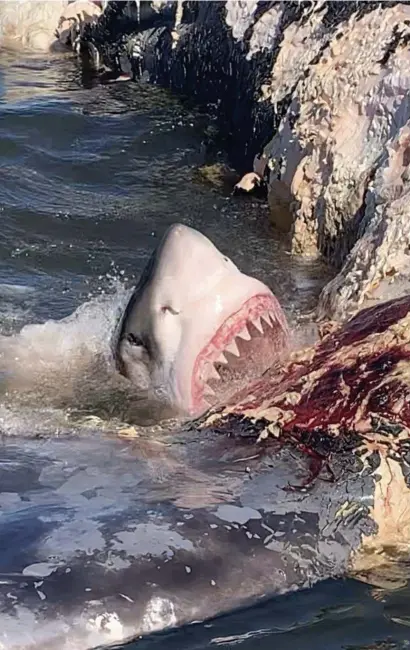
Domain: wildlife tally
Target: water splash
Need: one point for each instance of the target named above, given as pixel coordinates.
(54, 373)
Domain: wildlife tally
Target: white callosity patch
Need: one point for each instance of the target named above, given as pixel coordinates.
(346, 121)
(239, 16)
(159, 614)
(28, 629)
(106, 625)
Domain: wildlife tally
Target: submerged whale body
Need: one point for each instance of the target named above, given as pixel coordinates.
(103, 539)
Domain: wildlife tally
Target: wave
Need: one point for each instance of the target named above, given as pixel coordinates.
(61, 373)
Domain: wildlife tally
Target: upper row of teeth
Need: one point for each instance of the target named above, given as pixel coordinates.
(244, 334)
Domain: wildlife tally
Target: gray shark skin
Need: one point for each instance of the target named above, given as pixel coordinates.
(103, 539)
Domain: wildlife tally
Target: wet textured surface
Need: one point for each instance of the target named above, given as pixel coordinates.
(273, 74)
(354, 377)
(90, 180)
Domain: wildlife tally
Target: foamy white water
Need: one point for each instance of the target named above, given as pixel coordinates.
(50, 369)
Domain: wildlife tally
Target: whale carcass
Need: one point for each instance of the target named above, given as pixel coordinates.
(301, 476)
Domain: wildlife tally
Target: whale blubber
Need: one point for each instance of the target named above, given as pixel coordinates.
(349, 393)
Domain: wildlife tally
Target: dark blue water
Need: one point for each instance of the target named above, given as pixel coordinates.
(90, 179)
(335, 615)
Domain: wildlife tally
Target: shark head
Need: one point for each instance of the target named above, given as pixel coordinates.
(196, 329)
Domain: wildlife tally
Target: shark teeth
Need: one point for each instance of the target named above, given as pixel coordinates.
(263, 323)
(244, 334)
(233, 348)
(221, 359)
(258, 324)
(209, 391)
(212, 372)
(267, 319)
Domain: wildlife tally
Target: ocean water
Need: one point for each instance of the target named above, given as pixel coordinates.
(91, 177)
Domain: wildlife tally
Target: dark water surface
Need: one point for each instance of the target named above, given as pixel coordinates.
(89, 180)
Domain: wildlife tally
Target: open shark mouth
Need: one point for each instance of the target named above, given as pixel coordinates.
(249, 342)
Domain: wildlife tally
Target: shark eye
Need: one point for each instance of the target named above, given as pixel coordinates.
(171, 310)
(133, 339)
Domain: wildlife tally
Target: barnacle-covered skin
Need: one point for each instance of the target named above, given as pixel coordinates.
(349, 394)
(311, 97)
